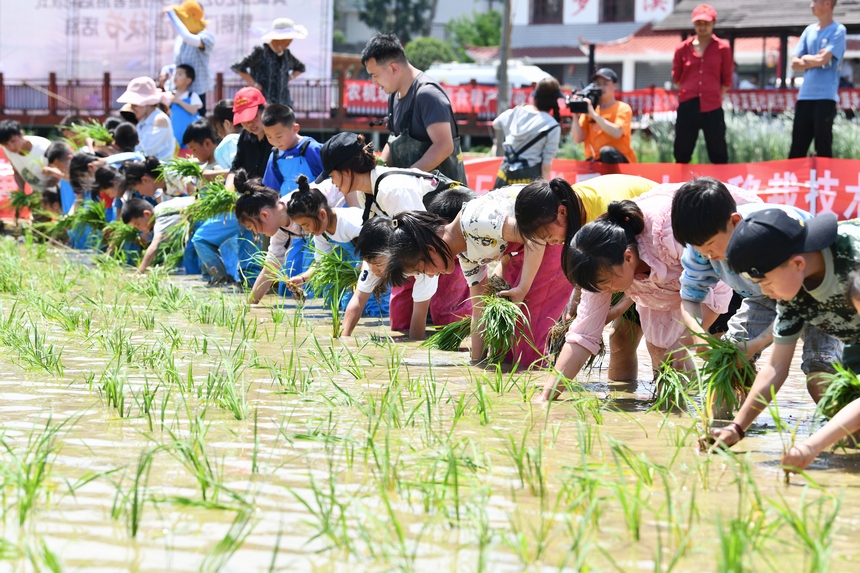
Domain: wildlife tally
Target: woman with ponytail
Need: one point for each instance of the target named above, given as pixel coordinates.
(264, 212)
(629, 249)
(485, 231)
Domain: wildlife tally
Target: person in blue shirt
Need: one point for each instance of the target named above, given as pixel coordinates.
(185, 106)
(292, 155)
(819, 55)
(705, 213)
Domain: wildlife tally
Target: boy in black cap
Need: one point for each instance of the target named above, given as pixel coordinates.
(805, 266)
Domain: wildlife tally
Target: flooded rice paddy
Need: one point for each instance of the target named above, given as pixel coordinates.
(149, 424)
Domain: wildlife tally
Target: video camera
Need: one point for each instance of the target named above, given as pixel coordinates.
(576, 101)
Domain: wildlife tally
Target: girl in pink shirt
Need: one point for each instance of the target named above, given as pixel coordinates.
(629, 249)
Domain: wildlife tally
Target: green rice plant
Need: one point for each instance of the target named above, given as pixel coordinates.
(31, 348)
(92, 129)
(632, 503)
(842, 388)
(40, 555)
(180, 167)
(814, 525)
(28, 469)
(213, 200)
(334, 274)
(727, 374)
(499, 323)
(118, 236)
(171, 250)
(239, 531)
(672, 389)
(528, 461)
(450, 336)
(739, 540)
(191, 452)
(132, 502)
(327, 509)
(19, 200)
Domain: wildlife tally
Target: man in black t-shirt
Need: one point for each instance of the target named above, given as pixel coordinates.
(418, 109)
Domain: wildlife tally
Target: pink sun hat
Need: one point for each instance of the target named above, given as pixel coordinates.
(141, 91)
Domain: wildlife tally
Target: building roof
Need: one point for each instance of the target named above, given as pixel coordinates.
(648, 41)
(757, 18)
(490, 53)
(548, 35)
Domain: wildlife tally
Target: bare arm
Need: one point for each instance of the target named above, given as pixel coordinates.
(767, 382)
(418, 324)
(612, 130)
(546, 170)
(570, 361)
(213, 174)
(261, 286)
(149, 256)
(477, 310)
(531, 263)
(353, 311)
(442, 147)
(192, 109)
(844, 423)
(576, 132)
(248, 79)
(385, 156)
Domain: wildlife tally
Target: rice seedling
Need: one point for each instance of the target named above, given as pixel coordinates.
(28, 469)
(180, 167)
(671, 389)
(334, 274)
(214, 200)
(132, 502)
(20, 200)
(814, 524)
(119, 236)
(235, 537)
(327, 508)
(727, 374)
(31, 348)
(499, 325)
(92, 129)
(842, 388)
(40, 555)
(450, 336)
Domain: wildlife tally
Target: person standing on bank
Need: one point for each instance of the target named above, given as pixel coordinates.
(605, 134)
(194, 46)
(270, 67)
(703, 70)
(420, 116)
(532, 134)
(819, 55)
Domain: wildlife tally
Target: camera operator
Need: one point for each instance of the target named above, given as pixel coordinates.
(605, 132)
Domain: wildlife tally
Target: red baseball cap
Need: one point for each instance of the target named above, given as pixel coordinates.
(704, 12)
(245, 104)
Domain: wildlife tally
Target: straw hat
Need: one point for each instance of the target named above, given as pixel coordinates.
(141, 91)
(191, 14)
(285, 29)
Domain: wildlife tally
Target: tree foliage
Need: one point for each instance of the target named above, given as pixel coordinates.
(402, 17)
(422, 52)
(479, 29)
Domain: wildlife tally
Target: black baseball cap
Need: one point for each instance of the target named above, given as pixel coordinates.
(607, 73)
(337, 151)
(766, 239)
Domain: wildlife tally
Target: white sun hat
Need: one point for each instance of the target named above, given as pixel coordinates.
(141, 91)
(285, 29)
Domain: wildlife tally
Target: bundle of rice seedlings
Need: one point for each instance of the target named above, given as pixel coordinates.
(499, 324)
(334, 274)
(117, 235)
(450, 336)
(212, 201)
(843, 387)
(171, 251)
(92, 129)
(555, 338)
(180, 167)
(496, 284)
(727, 373)
(90, 214)
(19, 201)
(671, 389)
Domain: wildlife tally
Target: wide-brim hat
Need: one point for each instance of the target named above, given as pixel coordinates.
(285, 29)
(141, 91)
(191, 14)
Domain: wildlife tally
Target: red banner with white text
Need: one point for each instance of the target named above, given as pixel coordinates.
(361, 97)
(817, 185)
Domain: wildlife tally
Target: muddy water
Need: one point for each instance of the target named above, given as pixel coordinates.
(411, 454)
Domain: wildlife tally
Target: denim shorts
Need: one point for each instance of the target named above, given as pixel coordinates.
(756, 314)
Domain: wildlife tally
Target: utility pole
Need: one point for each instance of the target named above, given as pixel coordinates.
(502, 73)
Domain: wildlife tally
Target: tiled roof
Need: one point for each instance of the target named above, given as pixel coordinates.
(752, 17)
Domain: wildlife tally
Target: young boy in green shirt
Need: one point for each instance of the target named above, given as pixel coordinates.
(805, 267)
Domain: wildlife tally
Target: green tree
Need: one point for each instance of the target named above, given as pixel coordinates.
(402, 17)
(422, 52)
(479, 29)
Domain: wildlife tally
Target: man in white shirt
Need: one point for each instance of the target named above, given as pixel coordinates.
(26, 153)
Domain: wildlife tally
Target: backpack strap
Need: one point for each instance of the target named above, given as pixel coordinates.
(408, 117)
(516, 154)
(371, 200)
(279, 177)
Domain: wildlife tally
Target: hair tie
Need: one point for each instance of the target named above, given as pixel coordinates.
(394, 223)
(247, 192)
